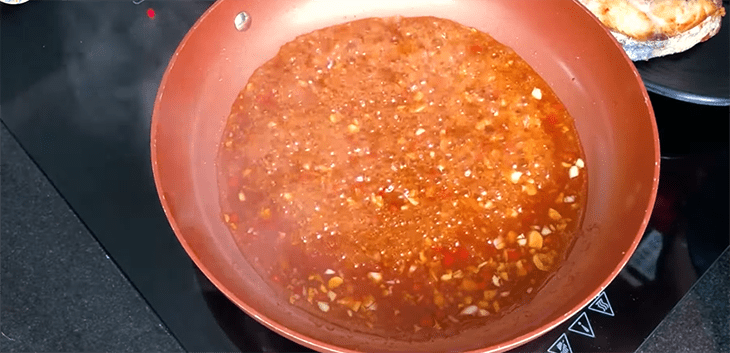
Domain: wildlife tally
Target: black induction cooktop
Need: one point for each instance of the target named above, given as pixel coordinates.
(79, 99)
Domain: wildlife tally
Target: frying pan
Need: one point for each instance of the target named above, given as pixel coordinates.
(561, 40)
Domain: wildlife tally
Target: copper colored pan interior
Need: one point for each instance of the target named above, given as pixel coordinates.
(561, 40)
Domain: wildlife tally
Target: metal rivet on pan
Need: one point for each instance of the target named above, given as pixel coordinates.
(242, 21)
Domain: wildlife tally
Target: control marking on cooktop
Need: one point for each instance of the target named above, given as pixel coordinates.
(601, 305)
(561, 345)
(582, 326)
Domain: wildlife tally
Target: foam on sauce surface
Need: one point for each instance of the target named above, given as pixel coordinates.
(401, 175)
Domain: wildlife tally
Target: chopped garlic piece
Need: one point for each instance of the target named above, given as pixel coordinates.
(323, 306)
(495, 280)
(573, 172)
(375, 276)
(534, 240)
(334, 282)
(554, 215)
(515, 177)
(536, 93)
(469, 310)
(499, 243)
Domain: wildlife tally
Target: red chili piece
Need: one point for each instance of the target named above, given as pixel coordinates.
(462, 253)
(551, 119)
(513, 255)
(448, 259)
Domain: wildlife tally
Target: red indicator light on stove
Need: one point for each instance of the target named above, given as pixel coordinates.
(150, 13)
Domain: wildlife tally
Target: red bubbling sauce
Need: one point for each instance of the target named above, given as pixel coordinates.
(403, 175)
